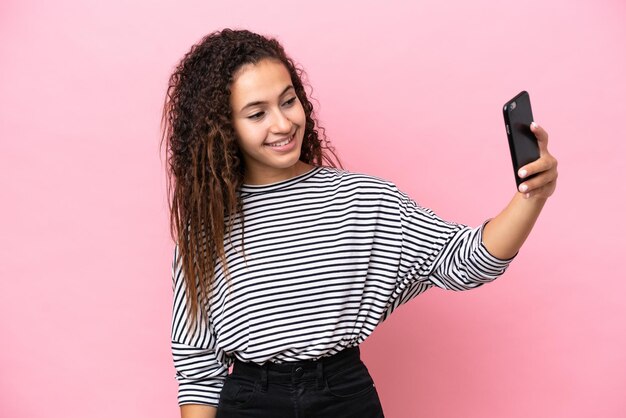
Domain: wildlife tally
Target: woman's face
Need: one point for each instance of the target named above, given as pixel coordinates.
(269, 122)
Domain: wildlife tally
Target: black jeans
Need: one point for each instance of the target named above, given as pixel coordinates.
(333, 387)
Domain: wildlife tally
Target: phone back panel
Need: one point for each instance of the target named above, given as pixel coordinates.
(522, 142)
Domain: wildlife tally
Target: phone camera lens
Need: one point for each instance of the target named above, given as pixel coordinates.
(513, 106)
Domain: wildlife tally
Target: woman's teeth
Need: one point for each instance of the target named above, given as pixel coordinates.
(281, 143)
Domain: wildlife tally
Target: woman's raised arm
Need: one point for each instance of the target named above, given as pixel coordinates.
(504, 235)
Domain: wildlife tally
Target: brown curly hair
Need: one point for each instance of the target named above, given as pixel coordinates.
(204, 164)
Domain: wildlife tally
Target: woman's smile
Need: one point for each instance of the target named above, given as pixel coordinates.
(282, 144)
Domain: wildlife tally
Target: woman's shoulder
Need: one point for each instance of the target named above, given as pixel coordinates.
(339, 176)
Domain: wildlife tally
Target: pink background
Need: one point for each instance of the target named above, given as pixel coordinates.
(409, 91)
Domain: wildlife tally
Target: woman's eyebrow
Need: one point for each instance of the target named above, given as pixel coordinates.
(258, 102)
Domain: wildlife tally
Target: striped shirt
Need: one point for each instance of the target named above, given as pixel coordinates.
(329, 255)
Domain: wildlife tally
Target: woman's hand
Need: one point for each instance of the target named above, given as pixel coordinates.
(544, 183)
(504, 235)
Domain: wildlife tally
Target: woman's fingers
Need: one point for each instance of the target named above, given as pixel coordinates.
(544, 191)
(544, 169)
(545, 163)
(542, 137)
(538, 181)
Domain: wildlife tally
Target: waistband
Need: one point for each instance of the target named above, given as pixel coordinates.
(291, 371)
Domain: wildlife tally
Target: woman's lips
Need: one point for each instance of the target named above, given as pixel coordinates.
(283, 145)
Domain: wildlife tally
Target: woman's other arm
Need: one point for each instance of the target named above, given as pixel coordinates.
(504, 235)
(197, 411)
(200, 371)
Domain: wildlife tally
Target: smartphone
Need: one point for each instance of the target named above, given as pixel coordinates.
(522, 142)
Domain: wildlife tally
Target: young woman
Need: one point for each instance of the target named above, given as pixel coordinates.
(284, 264)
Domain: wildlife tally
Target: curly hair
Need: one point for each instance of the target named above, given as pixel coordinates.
(205, 167)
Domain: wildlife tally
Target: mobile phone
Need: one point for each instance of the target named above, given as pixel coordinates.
(522, 141)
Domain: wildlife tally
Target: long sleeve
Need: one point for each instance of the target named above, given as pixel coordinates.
(444, 254)
(466, 263)
(436, 252)
(201, 366)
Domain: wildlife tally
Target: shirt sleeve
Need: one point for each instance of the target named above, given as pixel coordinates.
(200, 365)
(444, 254)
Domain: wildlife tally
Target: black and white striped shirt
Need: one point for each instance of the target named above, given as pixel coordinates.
(328, 256)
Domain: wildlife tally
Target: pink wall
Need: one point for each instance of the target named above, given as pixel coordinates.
(410, 91)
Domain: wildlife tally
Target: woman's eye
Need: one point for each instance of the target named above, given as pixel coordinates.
(256, 116)
(290, 101)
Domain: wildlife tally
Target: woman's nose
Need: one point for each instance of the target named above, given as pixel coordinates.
(281, 123)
